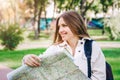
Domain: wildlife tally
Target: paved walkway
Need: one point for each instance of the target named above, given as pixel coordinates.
(47, 43)
(109, 44)
(4, 70)
(29, 45)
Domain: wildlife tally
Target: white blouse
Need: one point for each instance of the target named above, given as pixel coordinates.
(79, 59)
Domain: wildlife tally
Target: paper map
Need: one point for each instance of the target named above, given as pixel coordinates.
(55, 67)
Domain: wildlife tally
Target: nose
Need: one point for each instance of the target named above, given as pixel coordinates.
(61, 29)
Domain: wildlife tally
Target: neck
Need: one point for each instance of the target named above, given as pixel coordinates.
(73, 43)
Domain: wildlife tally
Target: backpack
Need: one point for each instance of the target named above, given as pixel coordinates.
(88, 51)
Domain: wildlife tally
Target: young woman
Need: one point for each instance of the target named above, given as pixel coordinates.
(71, 34)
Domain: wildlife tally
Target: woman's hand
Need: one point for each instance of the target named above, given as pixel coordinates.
(31, 60)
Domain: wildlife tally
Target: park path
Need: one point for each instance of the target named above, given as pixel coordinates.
(47, 43)
(4, 70)
(28, 45)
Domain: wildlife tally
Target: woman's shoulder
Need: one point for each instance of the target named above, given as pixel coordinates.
(55, 47)
(96, 49)
(51, 50)
(95, 45)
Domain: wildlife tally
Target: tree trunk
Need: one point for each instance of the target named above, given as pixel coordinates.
(54, 9)
(39, 17)
(34, 20)
(46, 20)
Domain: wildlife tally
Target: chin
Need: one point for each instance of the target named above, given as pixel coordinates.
(64, 39)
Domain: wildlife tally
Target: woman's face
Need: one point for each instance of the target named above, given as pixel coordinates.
(64, 30)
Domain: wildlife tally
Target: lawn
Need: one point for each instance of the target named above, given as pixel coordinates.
(13, 58)
(113, 57)
(95, 32)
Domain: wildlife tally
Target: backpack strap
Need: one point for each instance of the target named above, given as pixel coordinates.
(88, 53)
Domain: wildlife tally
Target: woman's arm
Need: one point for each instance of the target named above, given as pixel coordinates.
(33, 60)
(52, 50)
(98, 63)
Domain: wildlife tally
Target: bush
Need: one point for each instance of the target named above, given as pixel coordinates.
(112, 26)
(10, 35)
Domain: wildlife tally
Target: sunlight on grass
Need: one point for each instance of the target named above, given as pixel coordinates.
(113, 58)
(95, 32)
(13, 58)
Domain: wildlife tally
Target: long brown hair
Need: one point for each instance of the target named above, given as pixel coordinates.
(76, 24)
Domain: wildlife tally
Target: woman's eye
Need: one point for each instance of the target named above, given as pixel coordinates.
(64, 25)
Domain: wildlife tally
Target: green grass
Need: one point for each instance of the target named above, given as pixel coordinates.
(95, 32)
(113, 57)
(98, 33)
(13, 58)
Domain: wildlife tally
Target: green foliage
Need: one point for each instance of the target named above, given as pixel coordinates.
(10, 35)
(112, 26)
(106, 4)
(108, 29)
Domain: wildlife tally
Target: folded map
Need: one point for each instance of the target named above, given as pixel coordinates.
(55, 67)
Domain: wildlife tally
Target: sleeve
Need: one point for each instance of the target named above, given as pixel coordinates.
(54, 49)
(98, 63)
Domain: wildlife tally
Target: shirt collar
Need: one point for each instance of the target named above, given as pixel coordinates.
(86, 38)
(81, 41)
(63, 44)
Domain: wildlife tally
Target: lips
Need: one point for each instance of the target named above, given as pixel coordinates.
(63, 34)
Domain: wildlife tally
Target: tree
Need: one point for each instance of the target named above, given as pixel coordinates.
(38, 6)
(85, 5)
(106, 4)
(10, 35)
(112, 26)
(65, 5)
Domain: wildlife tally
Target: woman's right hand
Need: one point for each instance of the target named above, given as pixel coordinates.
(31, 60)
